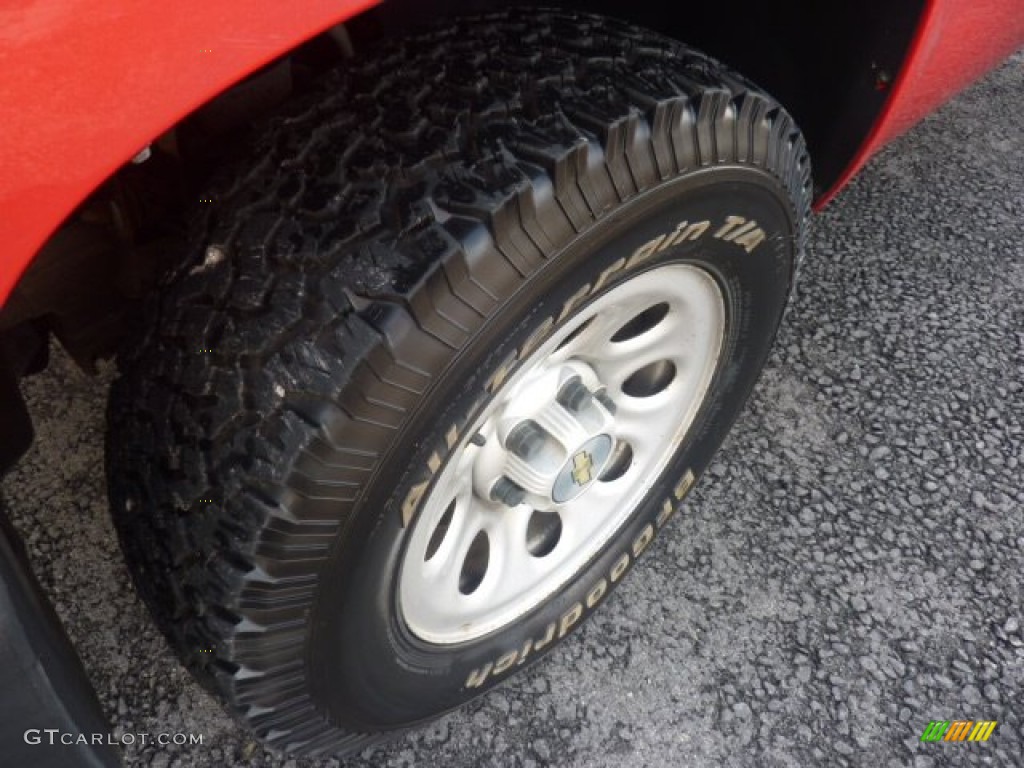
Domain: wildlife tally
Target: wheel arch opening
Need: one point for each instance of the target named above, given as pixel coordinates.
(830, 64)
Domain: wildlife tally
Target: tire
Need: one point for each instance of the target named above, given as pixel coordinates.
(397, 256)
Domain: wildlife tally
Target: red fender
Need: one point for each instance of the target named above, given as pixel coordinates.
(86, 84)
(956, 42)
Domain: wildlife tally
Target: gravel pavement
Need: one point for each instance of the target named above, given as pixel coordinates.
(848, 570)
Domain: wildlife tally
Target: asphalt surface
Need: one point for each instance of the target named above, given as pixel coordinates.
(850, 568)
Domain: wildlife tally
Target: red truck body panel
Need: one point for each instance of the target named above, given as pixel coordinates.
(956, 42)
(85, 85)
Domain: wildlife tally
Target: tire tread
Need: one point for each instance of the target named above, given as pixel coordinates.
(376, 225)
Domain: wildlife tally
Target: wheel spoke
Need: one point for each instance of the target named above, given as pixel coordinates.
(614, 361)
(599, 328)
(638, 424)
(512, 561)
(444, 567)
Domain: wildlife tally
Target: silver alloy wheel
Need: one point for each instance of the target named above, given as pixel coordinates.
(562, 455)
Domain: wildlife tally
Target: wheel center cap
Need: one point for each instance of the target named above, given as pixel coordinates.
(584, 466)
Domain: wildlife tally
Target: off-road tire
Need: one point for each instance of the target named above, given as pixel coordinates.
(353, 284)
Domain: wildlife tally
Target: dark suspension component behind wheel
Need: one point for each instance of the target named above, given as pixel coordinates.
(449, 350)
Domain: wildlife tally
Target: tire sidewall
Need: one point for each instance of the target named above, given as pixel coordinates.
(367, 669)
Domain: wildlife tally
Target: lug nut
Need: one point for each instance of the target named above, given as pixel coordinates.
(525, 439)
(573, 395)
(504, 491)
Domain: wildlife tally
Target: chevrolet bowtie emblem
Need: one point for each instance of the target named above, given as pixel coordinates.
(582, 464)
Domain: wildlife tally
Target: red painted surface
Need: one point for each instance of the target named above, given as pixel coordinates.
(86, 84)
(957, 41)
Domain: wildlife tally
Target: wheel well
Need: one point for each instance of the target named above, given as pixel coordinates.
(829, 64)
